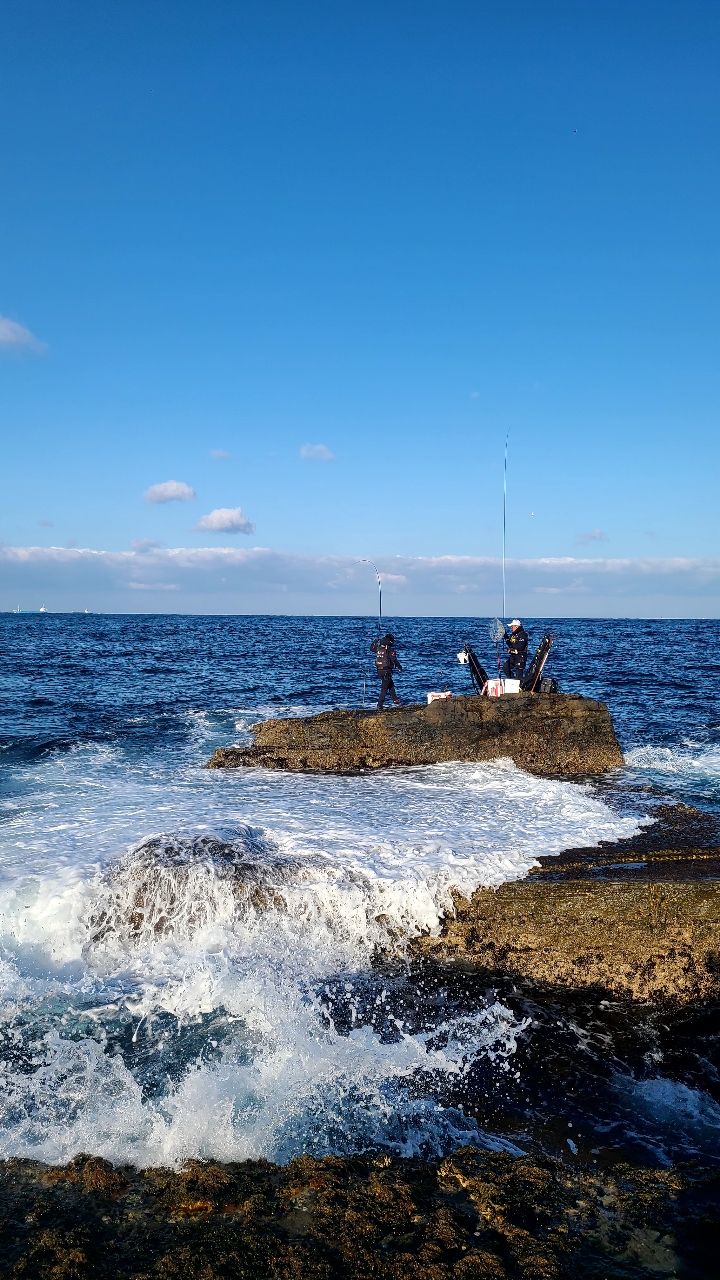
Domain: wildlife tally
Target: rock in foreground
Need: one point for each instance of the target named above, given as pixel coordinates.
(542, 733)
(472, 1216)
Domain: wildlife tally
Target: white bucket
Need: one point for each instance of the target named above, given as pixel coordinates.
(436, 697)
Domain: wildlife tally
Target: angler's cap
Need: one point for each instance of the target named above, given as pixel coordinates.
(390, 638)
(516, 622)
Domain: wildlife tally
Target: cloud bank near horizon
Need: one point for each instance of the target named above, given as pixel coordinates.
(152, 579)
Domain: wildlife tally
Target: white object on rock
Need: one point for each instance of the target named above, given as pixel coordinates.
(511, 686)
(435, 697)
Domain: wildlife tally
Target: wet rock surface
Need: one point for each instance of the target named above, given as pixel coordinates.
(638, 918)
(546, 734)
(681, 843)
(471, 1216)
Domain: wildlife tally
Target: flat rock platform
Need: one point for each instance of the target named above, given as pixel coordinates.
(637, 918)
(543, 733)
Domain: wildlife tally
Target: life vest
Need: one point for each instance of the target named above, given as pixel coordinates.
(517, 643)
(384, 658)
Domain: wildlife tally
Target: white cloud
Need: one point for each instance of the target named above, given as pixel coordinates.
(317, 451)
(141, 545)
(170, 491)
(225, 520)
(16, 337)
(595, 535)
(258, 580)
(219, 453)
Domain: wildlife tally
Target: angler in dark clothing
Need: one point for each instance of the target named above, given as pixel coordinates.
(517, 643)
(385, 663)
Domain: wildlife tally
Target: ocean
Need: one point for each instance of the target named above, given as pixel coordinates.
(202, 963)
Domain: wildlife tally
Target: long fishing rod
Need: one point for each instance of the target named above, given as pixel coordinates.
(504, 519)
(379, 582)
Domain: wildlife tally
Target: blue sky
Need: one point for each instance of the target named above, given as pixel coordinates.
(397, 231)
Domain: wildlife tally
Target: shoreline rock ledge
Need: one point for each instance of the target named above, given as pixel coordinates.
(542, 733)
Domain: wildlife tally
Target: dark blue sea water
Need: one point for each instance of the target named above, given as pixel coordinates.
(189, 961)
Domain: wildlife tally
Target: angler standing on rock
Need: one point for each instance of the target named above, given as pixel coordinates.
(517, 643)
(385, 663)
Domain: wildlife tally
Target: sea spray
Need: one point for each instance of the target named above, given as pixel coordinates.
(175, 1000)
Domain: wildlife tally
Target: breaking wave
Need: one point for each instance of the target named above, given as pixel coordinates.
(222, 990)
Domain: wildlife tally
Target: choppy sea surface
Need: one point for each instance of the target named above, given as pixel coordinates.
(194, 963)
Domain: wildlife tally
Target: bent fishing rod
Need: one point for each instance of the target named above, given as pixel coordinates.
(364, 560)
(379, 582)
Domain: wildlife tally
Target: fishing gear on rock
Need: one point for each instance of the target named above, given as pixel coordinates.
(512, 676)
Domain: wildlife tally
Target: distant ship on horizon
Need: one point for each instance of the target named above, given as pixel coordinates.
(42, 609)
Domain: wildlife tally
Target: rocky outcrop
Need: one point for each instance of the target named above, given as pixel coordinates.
(639, 918)
(646, 941)
(475, 1215)
(542, 733)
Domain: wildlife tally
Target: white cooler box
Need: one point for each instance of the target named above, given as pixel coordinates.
(496, 688)
(436, 697)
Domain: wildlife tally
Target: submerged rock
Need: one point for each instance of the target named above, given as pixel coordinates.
(471, 1216)
(542, 733)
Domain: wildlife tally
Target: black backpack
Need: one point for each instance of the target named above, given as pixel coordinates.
(548, 685)
(383, 658)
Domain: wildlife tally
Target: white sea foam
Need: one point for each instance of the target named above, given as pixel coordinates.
(689, 761)
(263, 886)
(351, 849)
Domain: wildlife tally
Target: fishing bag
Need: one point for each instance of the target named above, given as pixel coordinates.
(548, 685)
(383, 658)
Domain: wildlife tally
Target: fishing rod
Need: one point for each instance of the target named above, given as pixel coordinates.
(379, 582)
(504, 614)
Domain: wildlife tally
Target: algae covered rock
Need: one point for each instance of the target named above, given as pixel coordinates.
(542, 733)
(638, 917)
(638, 939)
(471, 1216)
